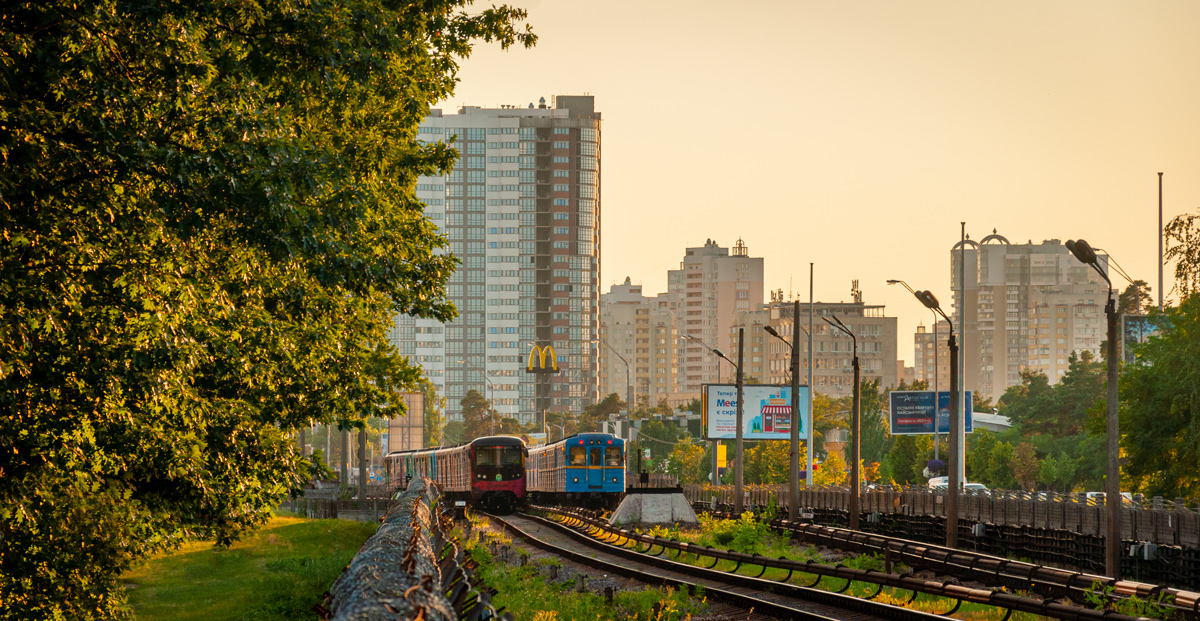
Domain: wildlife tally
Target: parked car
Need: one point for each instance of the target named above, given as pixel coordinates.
(978, 489)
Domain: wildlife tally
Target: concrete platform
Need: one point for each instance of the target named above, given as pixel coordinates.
(653, 508)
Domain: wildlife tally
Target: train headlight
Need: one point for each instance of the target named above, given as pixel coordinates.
(575, 480)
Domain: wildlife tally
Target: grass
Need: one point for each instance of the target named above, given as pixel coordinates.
(525, 592)
(279, 572)
(751, 536)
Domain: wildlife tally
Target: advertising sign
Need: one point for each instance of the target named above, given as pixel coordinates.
(911, 412)
(766, 414)
(534, 439)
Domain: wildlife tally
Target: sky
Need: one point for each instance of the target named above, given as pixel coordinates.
(858, 135)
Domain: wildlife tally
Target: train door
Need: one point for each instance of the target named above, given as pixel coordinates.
(595, 470)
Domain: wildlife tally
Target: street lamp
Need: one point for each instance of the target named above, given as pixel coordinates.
(855, 425)
(954, 480)
(628, 385)
(716, 352)
(491, 393)
(1112, 482)
(936, 371)
(794, 380)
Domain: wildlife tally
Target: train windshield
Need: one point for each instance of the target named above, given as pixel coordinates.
(499, 456)
(578, 456)
(612, 456)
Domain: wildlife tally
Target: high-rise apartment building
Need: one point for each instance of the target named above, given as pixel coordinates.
(998, 317)
(767, 359)
(521, 209)
(931, 354)
(710, 285)
(642, 345)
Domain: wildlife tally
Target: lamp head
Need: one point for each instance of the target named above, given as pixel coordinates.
(928, 299)
(1082, 251)
(893, 282)
(718, 352)
(771, 331)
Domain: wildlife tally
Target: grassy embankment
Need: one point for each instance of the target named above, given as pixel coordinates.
(751, 536)
(526, 592)
(277, 573)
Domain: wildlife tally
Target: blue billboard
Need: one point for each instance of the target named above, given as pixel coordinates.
(911, 412)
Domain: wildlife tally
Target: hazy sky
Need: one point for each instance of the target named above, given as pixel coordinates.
(857, 135)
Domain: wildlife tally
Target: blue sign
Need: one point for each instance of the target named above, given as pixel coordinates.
(911, 412)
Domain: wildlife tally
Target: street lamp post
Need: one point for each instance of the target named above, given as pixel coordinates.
(936, 371)
(855, 425)
(1112, 482)
(628, 385)
(956, 425)
(716, 352)
(794, 466)
(491, 393)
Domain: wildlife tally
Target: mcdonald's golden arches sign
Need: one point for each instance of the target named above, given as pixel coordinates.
(542, 360)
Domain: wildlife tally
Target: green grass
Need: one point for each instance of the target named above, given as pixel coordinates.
(278, 572)
(525, 591)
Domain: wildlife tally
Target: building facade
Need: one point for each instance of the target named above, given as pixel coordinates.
(639, 346)
(710, 286)
(931, 355)
(1006, 284)
(521, 209)
(767, 358)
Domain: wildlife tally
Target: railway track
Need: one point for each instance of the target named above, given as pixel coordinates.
(1049, 582)
(587, 527)
(732, 594)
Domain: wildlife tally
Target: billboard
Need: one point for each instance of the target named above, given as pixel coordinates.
(534, 439)
(407, 432)
(766, 413)
(911, 412)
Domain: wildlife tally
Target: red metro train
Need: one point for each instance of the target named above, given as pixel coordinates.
(487, 472)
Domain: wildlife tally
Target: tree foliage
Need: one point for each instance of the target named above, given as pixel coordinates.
(684, 462)
(209, 214)
(1160, 407)
(1025, 466)
(478, 417)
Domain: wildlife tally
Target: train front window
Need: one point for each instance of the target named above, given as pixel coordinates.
(597, 456)
(499, 456)
(578, 456)
(612, 456)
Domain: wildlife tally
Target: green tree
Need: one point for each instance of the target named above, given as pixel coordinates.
(768, 462)
(1025, 466)
(478, 418)
(658, 436)
(999, 469)
(1135, 298)
(876, 441)
(1160, 407)
(597, 413)
(435, 406)
(209, 213)
(684, 462)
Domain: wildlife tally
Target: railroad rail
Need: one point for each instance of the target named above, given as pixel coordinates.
(592, 527)
(755, 596)
(1047, 581)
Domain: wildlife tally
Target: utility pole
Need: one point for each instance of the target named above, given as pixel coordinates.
(362, 463)
(794, 467)
(738, 500)
(1160, 245)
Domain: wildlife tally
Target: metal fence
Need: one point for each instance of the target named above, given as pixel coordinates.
(1156, 520)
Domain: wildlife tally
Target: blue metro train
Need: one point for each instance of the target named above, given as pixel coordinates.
(586, 469)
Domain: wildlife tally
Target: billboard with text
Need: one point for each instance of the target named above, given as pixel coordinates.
(911, 412)
(766, 413)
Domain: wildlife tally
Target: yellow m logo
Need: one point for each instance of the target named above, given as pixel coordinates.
(538, 358)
